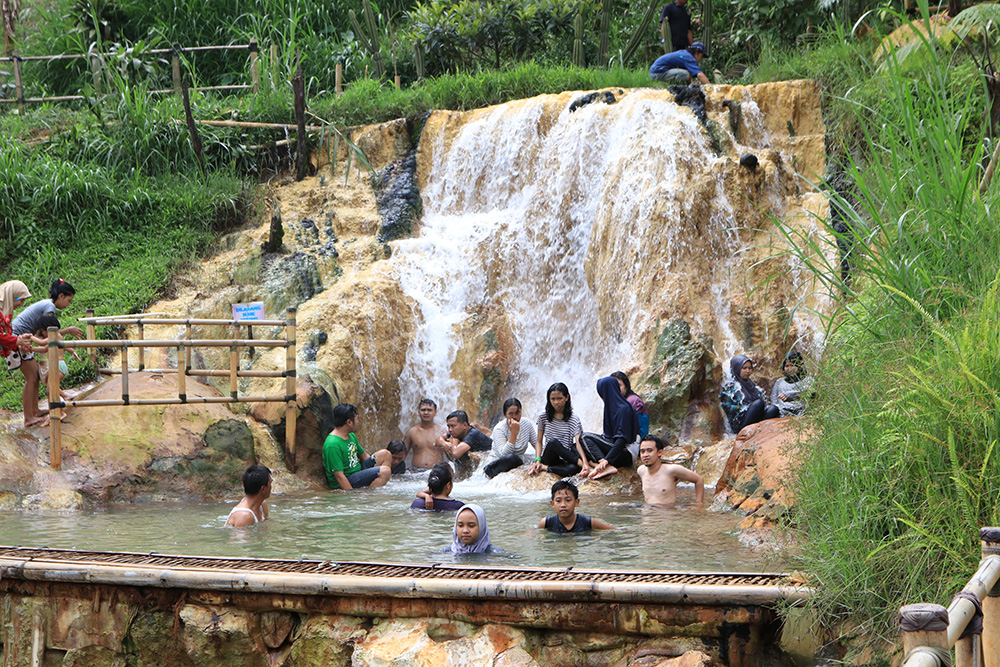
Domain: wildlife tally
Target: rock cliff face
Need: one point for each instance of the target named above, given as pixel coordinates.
(496, 251)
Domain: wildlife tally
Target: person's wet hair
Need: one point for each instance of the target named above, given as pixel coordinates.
(396, 447)
(255, 478)
(618, 375)
(656, 440)
(343, 413)
(509, 403)
(59, 288)
(565, 484)
(439, 478)
(550, 412)
(427, 401)
(460, 415)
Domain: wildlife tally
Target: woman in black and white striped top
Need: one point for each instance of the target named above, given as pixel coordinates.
(559, 435)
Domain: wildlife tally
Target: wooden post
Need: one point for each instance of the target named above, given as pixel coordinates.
(290, 406)
(965, 651)
(254, 66)
(924, 626)
(299, 92)
(91, 335)
(175, 67)
(142, 351)
(95, 68)
(338, 78)
(274, 65)
(396, 81)
(192, 128)
(181, 374)
(55, 412)
(234, 366)
(125, 373)
(18, 88)
(990, 542)
(187, 348)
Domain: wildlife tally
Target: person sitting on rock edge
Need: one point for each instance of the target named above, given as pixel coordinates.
(618, 446)
(463, 438)
(511, 438)
(348, 465)
(741, 399)
(435, 497)
(560, 429)
(633, 399)
(680, 67)
(253, 508)
(420, 439)
(659, 480)
(565, 500)
(788, 391)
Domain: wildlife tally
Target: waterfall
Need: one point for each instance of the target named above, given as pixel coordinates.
(518, 208)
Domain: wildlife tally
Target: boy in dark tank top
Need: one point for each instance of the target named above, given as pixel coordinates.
(565, 500)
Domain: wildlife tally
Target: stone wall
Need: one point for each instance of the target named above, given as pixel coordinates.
(86, 625)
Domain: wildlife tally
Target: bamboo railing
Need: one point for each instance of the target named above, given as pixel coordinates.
(970, 624)
(95, 64)
(184, 370)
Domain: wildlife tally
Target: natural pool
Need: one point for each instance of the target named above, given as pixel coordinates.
(377, 525)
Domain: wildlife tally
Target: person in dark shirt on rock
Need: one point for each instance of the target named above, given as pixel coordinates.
(678, 16)
(463, 438)
(680, 67)
(565, 500)
(436, 496)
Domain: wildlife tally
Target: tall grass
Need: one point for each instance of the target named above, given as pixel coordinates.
(906, 467)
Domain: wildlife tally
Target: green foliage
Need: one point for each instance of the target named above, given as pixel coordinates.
(369, 101)
(458, 33)
(905, 468)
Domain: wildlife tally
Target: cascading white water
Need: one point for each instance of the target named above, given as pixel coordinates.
(512, 210)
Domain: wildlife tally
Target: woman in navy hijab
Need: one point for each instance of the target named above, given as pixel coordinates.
(742, 400)
(618, 446)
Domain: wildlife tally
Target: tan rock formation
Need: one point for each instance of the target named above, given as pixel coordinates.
(756, 477)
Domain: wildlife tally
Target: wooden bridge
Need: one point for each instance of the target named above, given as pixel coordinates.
(57, 601)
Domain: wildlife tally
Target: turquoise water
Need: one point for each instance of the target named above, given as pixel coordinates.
(377, 525)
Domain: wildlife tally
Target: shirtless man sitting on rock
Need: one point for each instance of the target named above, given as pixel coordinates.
(420, 438)
(659, 480)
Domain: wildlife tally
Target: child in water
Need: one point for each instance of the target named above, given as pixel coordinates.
(565, 500)
(471, 535)
(436, 496)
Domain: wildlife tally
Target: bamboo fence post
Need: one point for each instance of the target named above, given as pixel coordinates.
(187, 348)
(18, 87)
(142, 350)
(175, 68)
(234, 367)
(181, 375)
(55, 409)
(990, 641)
(274, 65)
(124, 374)
(925, 630)
(290, 406)
(95, 68)
(254, 66)
(965, 651)
(91, 335)
(338, 80)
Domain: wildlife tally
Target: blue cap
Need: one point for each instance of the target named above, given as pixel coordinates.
(698, 46)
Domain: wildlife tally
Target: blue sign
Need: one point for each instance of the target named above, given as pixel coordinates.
(248, 312)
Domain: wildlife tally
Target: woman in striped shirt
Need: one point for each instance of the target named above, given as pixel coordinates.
(559, 429)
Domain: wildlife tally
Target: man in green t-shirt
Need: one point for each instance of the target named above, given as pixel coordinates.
(347, 465)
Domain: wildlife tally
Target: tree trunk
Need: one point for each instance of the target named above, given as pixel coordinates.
(954, 7)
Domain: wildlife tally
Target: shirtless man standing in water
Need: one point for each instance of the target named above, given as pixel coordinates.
(659, 481)
(420, 438)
